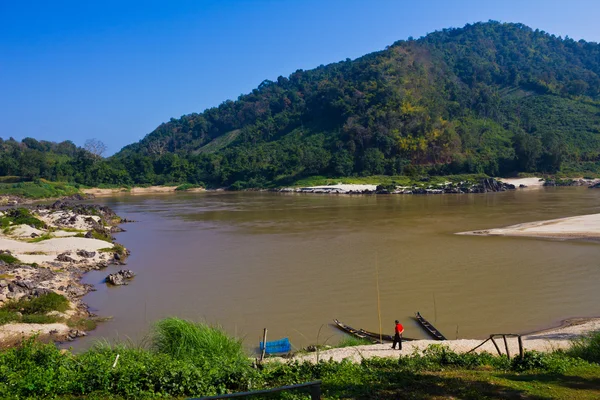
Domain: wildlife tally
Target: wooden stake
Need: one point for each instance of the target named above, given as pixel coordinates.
(262, 354)
(434, 310)
(378, 303)
(495, 345)
(521, 346)
(506, 346)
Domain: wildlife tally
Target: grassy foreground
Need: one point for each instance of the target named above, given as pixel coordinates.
(184, 359)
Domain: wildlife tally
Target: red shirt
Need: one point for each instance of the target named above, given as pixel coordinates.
(399, 328)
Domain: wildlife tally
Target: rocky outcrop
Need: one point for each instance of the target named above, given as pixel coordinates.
(120, 278)
(86, 254)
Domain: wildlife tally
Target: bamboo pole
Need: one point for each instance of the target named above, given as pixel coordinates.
(495, 345)
(506, 346)
(264, 349)
(521, 346)
(378, 301)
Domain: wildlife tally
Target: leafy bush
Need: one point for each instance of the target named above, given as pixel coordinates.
(188, 186)
(9, 259)
(39, 305)
(20, 216)
(587, 348)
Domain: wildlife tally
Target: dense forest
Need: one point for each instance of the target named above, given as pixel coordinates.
(488, 98)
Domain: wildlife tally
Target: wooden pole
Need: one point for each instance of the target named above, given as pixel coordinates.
(378, 301)
(482, 343)
(434, 310)
(264, 349)
(521, 346)
(315, 392)
(506, 346)
(495, 345)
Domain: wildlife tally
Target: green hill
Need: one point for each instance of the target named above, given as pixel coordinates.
(487, 98)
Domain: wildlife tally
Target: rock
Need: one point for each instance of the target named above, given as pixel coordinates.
(56, 204)
(75, 291)
(89, 235)
(64, 258)
(34, 235)
(522, 186)
(86, 254)
(25, 284)
(117, 256)
(119, 278)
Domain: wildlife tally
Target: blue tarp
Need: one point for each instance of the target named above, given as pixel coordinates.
(277, 346)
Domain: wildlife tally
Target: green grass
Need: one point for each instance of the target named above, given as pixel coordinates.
(9, 259)
(187, 359)
(351, 341)
(39, 305)
(39, 189)
(388, 180)
(20, 216)
(187, 186)
(197, 343)
(41, 238)
(101, 236)
(587, 348)
(40, 319)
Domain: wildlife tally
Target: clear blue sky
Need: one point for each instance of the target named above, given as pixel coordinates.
(114, 70)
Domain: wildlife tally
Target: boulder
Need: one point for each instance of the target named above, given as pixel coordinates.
(119, 278)
(86, 254)
(64, 258)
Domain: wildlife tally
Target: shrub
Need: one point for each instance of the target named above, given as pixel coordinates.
(39, 305)
(188, 186)
(9, 259)
(197, 342)
(587, 348)
(21, 216)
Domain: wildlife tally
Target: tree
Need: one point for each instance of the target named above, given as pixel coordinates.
(95, 146)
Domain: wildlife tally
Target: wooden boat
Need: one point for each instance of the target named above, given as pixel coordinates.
(361, 333)
(437, 335)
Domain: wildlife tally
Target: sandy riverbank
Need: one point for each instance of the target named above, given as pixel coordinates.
(547, 340)
(531, 183)
(579, 227)
(137, 191)
(52, 258)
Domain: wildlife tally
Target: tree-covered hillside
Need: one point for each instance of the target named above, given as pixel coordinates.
(489, 97)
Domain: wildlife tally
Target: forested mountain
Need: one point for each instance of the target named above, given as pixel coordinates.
(489, 97)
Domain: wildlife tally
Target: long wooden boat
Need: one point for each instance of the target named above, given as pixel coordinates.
(361, 333)
(437, 335)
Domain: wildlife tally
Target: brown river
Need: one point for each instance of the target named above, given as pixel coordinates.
(293, 262)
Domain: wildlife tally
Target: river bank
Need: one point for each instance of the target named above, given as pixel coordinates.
(47, 249)
(585, 227)
(547, 340)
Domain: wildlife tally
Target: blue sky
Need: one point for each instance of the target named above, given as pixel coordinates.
(114, 70)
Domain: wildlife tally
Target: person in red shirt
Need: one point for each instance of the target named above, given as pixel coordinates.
(398, 335)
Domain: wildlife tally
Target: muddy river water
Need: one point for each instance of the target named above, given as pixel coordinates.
(293, 262)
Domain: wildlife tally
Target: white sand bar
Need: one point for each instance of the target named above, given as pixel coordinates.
(533, 183)
(47, 250)
(580, 227)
